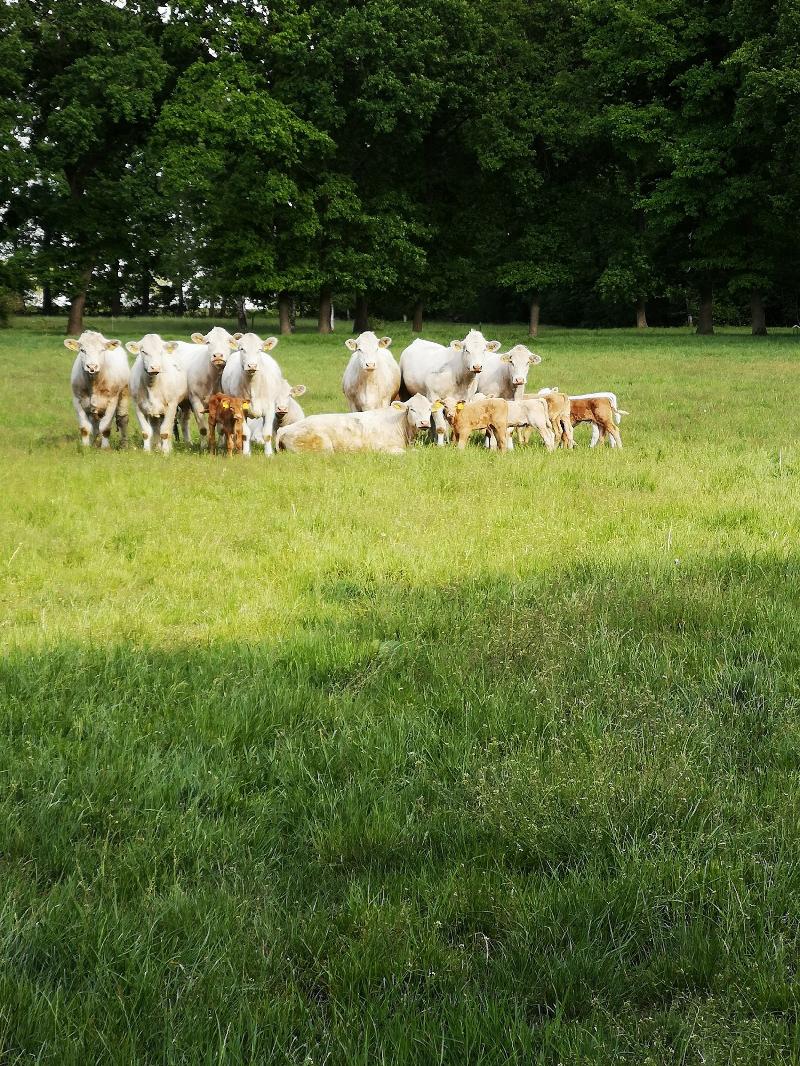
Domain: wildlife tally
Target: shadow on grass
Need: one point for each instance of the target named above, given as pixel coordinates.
(548, 818)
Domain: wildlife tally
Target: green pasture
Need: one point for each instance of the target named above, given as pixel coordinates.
(437, 759)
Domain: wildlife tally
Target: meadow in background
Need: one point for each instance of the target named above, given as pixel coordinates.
(448, 757)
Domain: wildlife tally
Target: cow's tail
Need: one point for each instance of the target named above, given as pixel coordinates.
(618, 413)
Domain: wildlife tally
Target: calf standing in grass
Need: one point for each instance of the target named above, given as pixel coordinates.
(558, 409)
(529, 413)
(158, 387)
(100, 387)
(603, 414)
(229, 413)
(489, 414)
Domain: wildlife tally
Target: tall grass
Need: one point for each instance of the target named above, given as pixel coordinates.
(446, 758)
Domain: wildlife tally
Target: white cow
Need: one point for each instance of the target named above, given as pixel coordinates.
(203, 360)
(507, 375)
(372, 377)
(435, 371)
(100, 387)
(390, 429)
(158, 387)
(287, 412)
(255, 376)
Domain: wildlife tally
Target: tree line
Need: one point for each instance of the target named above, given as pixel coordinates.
(599, 161)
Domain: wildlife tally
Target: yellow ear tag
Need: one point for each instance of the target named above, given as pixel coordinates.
(245, 406)
(225, 404)
(459, 405)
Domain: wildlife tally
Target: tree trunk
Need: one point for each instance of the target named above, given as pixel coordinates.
(361, 320)
(75, 321)
(116, 295)
(705, 319)
(241, 314)
(181, 300)
(324, 316)
(416, 324)
(284, 312)
(146, 293)
(535, 311)
(47, 299)
(758, 317)
(641, 314)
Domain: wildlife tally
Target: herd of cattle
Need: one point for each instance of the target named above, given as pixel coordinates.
(231, 382)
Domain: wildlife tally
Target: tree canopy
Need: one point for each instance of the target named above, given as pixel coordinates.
(596, 161)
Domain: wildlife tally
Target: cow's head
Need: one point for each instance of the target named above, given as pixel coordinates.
(418, 412)
(152, 351)
(91, 348)
(218, 340)
(250, 347)
(474, 349)
(366, 348)
(285, 397)
(519, 361)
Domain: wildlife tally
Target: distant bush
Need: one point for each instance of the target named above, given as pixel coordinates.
(9, 304)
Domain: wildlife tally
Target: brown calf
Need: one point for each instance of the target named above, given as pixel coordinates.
(559, 409)
(489, 414)
(599, 411)
(230, 412)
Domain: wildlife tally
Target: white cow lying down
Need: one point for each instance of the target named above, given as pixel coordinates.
(390, 430)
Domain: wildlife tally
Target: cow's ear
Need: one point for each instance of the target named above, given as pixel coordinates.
(351, 343)
(437, 405)
(297, 390)
(398, 406)
(492, 346)
(238, 336)
(171, 346)
(457, 345)
(505, 358)
(134, 347)
(535, 359)
(384, 342)
(269, 344)
(71, 343)
(198, 338)
(110, 345)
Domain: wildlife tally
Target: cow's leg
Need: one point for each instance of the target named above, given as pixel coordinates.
(614, 438)
(246, 437)
(122, 418)
(595, 435)
(269, 421)
(166, 427)
(440, 427)
(547, 435)
(147, 429)
(185, 414)
(229, 435)
(510, 440)
(501, 436)
(84, 425)
(200, 418)
(104, 425)
(212, 435)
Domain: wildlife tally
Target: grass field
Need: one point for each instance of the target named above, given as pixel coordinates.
(442, 758)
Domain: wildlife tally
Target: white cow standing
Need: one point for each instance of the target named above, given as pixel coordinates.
(203, 360)
(253, 374)
(100, 387)
(371, 379)
(287, 412)
(158, 387)
(435, 371)
(507, 375)
(389, 430)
